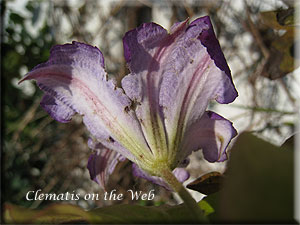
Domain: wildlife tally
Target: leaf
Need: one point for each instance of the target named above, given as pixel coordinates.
(259, 184)
(286, 17)
(282, 57)
(285, 47)
(128, 214)
(57, 213)
(214, 201)
(207, 184)
(121, 214)
(279, 20)
(206, 207)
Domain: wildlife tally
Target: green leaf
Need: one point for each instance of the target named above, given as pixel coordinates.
(57, 213)
(206, 207)
(258, 187)
(282, 60)
(128, 214)
(121, 214)
(279, 19)
(214, 201)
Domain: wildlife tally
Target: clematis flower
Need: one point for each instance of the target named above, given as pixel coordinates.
(158, 117)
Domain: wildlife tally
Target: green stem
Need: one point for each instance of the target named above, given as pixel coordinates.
(189, 201)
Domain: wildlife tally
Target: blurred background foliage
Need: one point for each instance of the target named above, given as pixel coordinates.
(40, 153)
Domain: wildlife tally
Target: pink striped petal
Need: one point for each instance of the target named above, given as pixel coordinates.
(56, 109)
(102, 163)
(212, 133)
(74, 80)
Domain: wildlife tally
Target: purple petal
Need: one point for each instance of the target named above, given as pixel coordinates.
(138, 42)
(209, 40)
(102, 163)
(112, 145)
(212, 133)
(141, 48)
(57, 109)
(191, 80)
(180, 173)
(74, 80)
(174, 78)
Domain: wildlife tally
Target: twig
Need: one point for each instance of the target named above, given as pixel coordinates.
(26, 119)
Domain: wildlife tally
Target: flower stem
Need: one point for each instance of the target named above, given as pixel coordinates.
(190, 203)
